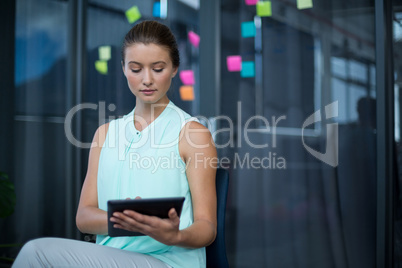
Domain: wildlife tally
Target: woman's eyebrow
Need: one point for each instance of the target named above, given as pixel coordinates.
(159, 62)
(154, 63)
(134, 62)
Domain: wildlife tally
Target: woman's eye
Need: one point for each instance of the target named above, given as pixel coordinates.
(158, 70)
(135, 70)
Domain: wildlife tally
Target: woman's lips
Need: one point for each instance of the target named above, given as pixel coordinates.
(148, 91)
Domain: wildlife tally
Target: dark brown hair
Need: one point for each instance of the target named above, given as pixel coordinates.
(152, 32)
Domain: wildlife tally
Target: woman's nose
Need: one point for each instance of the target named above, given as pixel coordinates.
(147, 78)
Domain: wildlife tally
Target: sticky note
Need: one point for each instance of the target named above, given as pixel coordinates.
(194, 38)
(264, 9)
(133, 14)
(251, 2)
(248, 29)
(303, 4)
(187, 93)
(233, 63)
(101, 66)
(247, 69)
(105, 52)
(156, 11)
(187, 77)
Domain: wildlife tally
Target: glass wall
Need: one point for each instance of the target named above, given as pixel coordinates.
(303, 177)
(397, 53)
(40, 105)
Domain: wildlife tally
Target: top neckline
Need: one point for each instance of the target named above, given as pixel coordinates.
(135, 131)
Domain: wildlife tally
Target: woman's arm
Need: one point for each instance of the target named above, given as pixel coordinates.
(199, 153)
(90, 219)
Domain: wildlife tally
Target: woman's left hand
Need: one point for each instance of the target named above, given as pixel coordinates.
(165, 231)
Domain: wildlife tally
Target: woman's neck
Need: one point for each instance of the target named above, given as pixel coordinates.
(146, 113)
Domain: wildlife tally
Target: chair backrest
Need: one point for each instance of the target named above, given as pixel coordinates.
(216, 252)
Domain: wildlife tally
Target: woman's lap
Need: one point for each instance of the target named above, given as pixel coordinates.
(60, 252)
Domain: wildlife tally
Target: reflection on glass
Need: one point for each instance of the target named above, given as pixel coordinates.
(40, 63)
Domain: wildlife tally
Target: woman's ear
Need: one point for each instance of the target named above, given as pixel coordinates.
(175, 71)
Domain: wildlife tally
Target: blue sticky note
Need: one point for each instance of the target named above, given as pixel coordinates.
(247, 69)
(156, 12)
(248, 29)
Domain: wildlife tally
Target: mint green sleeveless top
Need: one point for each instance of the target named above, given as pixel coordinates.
(147, 163)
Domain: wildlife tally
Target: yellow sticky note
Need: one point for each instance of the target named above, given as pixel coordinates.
(105, 52)
(187, 93)
(101, 66)
(133, 14)
(303, 4)
(264, 8)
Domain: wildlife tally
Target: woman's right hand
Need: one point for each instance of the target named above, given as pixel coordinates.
(165, 231)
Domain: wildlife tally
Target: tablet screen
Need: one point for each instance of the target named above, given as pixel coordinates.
(158, 207)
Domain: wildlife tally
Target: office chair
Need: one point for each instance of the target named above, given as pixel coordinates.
(216, 252)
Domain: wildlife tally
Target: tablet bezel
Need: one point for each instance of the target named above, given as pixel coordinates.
(158, 207)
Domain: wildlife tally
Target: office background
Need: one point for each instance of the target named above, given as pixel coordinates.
(308, 214)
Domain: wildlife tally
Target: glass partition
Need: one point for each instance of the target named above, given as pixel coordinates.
(397, 51)
(303, 167)
(40, 101)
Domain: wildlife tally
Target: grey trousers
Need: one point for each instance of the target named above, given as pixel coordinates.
(60, 252)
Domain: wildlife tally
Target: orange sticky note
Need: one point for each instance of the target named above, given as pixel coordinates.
(187, 93)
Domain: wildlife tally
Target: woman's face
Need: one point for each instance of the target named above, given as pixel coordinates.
(149, 72)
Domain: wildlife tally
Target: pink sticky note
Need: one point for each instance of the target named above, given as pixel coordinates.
(234, 63)
(187, 77)
(194, 38)
(251, 2)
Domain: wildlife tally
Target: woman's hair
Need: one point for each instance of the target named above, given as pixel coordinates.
(152, 32)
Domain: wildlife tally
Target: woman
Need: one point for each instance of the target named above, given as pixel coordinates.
(157, 150)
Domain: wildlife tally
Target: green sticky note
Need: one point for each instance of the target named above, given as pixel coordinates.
(248, 29)
(133, 14)
(101, 66)
(247, 69)
(264, 8)
(105, 52)
(302, 4)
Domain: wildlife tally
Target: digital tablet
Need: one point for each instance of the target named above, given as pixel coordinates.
(158, 207)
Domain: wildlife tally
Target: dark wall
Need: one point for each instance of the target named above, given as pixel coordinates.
(7, 18)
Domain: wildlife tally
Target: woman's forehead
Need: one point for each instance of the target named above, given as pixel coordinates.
(144, 53)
